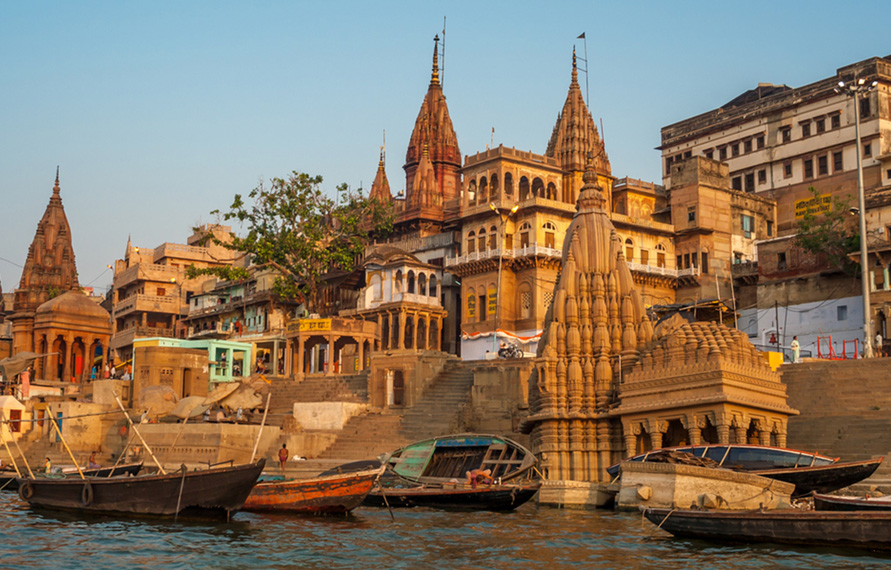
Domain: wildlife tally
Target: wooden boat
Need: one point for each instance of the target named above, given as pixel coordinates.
(789, 526)
(9, 482)
(809, 472)
(837, 503)
(217, 491)
(504, 497)
(446, 458)
(339, 493)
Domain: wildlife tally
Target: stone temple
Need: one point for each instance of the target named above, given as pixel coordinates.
(608, 384)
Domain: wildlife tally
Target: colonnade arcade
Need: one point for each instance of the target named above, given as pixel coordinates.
(410, 328)
(70, 355)
(701, 428)
(329, 346)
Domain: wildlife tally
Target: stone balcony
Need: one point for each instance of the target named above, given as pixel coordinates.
(126, 337)
(148, 272)
(653, 270)
(167, 304)
(527, 251)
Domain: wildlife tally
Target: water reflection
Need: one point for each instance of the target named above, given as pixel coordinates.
(531, 537)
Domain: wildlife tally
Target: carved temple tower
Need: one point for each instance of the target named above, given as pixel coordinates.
(573, 139)
(607, 385)
(49, 271)
(596, 326)
(380, 188)
(432, 161)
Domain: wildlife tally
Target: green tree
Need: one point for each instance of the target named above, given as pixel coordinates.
(295, 228)
(830, 232)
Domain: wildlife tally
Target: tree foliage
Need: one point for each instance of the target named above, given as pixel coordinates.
(295, 228)
(832, 234)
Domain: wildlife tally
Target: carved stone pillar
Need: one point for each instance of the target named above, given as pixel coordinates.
(630, 440)
(723, 433)
(656, 439)
(400, 341)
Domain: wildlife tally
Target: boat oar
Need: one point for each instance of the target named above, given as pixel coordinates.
(6, 445)
(262, 423)
(65, 443)
(139, 435)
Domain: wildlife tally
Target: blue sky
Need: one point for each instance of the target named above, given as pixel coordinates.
(159, 112)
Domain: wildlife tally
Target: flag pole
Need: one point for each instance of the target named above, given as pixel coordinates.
(587, 93)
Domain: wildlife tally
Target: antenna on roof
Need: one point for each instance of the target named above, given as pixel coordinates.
(587, 94)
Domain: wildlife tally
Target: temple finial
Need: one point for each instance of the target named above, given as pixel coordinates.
(575, 71)
(434, 80)
(56, 187)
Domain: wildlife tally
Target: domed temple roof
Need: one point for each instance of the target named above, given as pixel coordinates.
(73, 303)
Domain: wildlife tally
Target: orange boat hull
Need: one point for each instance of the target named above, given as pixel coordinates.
(333, 494)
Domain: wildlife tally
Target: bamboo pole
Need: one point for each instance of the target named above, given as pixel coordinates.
(6, 445)
(24, 459)
(65, 443)
(139, 435)
(262, 423)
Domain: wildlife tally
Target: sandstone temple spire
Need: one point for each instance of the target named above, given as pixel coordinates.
(380, 188)
(597, 325)
(574, 137)
(49, 269)
(434, 135)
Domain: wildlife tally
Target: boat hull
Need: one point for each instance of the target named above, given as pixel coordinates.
(823, 479)
(322, 495)
(9, 480)
(486, 498)
(792, 526)
(212, 492)
(834, 503)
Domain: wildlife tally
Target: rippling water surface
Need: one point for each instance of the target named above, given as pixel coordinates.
(531, 537)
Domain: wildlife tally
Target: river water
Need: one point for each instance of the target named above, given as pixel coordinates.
(531, 537)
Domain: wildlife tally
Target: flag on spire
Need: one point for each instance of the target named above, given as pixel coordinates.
(581, 37)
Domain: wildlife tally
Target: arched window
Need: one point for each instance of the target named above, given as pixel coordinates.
(484, 191)
(376, 289)
(525, 230)
(629, 250)
(482, 306)
(432, 286)
(550, 231)
(411, 281)
(508, 184)
(422, 283)
(552, 191)
(397, 283)
(493, 233)
(481, 239)
(471, 242)
(471, 192)
(524, 189)
(493, 187)
(538, 188)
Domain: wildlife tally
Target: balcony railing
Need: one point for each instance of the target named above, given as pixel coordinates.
(676, 273)
(148, 303)
(527, 251)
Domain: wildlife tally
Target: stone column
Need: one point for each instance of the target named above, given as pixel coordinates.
(427, 332)
(781, 438)
(764, 437)
(332, 358)
(723, 433)
(361, 354)
(400, 341)
(301, 365)
(630, 440)
(740, 434)
(694, 433)
(656, 439)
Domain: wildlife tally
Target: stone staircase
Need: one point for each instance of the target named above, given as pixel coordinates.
(285, 393)
(438, 412)
(845, 410)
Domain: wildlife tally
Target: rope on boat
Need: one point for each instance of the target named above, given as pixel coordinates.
(179, 499)
(666, 518)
